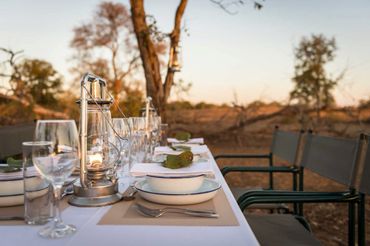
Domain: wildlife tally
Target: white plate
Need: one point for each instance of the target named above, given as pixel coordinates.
(206, 192)
(16, 186)
(18, 199)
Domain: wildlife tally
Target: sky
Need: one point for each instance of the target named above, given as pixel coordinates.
(248, 56)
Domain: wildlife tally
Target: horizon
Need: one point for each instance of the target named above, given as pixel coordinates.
(224, 54)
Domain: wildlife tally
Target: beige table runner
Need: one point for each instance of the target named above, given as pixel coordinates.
(124, 213)
(19, 211)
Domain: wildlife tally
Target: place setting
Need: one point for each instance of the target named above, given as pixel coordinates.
(172, 186)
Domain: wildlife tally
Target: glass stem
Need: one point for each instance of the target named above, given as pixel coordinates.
(57, 196)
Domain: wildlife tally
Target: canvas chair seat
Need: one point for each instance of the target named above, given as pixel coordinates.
(11, 138)
(280, 229)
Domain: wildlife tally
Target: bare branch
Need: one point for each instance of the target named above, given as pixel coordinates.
(226, 5)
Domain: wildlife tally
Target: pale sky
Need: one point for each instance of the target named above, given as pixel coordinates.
(250, 54)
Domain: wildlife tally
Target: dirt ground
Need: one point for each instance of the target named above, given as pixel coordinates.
(328, 221)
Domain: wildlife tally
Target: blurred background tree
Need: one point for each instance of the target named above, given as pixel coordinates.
(313, 87)
(106, 47)
(30, 88)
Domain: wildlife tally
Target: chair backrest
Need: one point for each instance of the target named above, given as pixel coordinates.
(285, 145)
(331, 157)
(11, 138)
(365, 175)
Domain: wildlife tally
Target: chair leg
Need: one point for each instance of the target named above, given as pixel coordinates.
(351, 223)
(300, 188)
(361, 230)
(295, 208)
(271, 177)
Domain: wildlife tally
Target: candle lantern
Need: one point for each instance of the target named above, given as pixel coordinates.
(175, 61)
(98, 185)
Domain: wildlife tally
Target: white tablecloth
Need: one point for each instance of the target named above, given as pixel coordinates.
(89, 233)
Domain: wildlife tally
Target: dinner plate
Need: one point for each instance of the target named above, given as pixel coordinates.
(18, 199)
(206, 192)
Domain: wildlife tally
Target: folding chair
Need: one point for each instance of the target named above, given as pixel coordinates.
(11, 138)
(285, 146)
(363, 189)
(333, 158)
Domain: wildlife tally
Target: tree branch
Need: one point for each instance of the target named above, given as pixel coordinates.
(175, 38)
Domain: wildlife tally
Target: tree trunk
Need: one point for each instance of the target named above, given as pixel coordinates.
(155, 87)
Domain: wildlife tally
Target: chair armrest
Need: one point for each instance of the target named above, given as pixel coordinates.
(242, 156)
(266, 169)
(324, 198)
(278, 193)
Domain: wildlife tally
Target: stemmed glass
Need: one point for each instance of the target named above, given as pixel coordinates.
(155, 133)
(56, 162)
(122, 128)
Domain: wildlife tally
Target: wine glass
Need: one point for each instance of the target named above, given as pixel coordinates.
(122, 129)
(56, 162)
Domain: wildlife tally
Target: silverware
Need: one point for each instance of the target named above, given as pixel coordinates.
(153, 212)
(129, 194)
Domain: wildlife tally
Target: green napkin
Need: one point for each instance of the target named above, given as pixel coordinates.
(183, 136)
(13, 165)
(178, 161)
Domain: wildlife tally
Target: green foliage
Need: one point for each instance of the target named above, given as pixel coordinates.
(312, 85)
(40, 80)
(177, 105)
(178, 161)
(204, 105)
(130, 104)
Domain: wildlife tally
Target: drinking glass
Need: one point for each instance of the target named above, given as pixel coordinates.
(56, 162)
(154, 127)
(139, 139)
(38, 193)
(123, 140)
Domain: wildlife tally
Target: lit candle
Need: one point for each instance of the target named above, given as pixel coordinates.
(95, 159)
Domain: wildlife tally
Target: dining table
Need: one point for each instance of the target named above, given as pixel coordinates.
(90, 230)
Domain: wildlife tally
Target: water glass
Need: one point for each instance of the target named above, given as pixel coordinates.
(55, 160)
(38, 193)
(123, 141)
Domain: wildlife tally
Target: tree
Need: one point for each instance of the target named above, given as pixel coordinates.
(155, 87)
(313, 87)
(32, 83)
(106, 46)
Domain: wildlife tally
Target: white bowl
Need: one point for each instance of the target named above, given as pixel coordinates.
(15, 186)
(175, 184)
(206, 192)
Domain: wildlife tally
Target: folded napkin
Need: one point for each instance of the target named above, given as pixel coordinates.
(195, 149)
(190, 141)
(142, 169)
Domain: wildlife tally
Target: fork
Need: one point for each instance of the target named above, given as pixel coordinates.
(154, 212)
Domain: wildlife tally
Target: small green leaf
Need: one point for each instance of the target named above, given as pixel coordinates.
(183, 136)
(178, 161)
